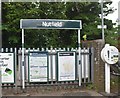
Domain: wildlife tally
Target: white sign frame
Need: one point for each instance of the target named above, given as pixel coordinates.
(8, 67)
(67, 58)
(42, 56)
(110, 54)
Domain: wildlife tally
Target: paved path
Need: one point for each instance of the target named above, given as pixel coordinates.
(56, 93)
(36, 93)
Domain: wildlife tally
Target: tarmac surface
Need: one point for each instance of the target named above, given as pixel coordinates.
(55, 91)
(37, 93)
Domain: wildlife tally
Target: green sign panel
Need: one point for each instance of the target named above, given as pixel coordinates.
(50, 24)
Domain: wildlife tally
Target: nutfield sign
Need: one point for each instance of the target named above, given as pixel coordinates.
(49, 24)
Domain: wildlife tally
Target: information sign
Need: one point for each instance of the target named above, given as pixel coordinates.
(7, 67)
(38, 67)
(66, 66)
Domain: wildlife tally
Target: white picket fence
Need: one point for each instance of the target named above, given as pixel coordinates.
(87, 62)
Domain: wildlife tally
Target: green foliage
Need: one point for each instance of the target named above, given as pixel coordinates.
(90, 87)
(111, 37)
(88, 12)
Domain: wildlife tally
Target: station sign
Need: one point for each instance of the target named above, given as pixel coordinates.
(50, 24)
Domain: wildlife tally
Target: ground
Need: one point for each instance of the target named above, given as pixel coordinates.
(51, 92)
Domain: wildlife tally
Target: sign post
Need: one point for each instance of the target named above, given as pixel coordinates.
(110, 55)
(79, 59)
(107, 78)
(23, 66)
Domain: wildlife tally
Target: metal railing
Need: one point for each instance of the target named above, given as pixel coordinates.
(87, 63)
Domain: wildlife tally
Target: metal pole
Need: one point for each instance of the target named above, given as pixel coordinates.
(51, 60)
(79, 58)
(23, 67)
(102, 18)
(92, 65)
(0, 79)
(107, 78)
(16, 75)
(119, 25)
(0, 24)
(0, 48)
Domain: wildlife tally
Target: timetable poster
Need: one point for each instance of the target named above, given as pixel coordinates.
(7, 67)
(66, 66)
(38, 67)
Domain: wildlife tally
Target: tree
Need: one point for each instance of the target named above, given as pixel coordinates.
(88, 12)
(13, 12)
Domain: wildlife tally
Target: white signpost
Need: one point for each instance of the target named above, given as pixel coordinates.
(110, 55)
(66, 66)
(38, 67)
(7, 68)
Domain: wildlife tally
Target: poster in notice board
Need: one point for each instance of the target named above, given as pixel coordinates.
(7, 67)
(66, 66)
(38, 66)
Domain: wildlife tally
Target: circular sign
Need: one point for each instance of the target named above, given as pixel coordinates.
(110, 54)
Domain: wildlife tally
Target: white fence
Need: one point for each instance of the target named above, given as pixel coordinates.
(87, 62)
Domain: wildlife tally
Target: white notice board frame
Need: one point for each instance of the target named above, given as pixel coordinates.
(7, 67)
(64, 60)
(42, 59)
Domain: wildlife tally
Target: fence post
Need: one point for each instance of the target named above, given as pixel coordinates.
(19, 65)
(51, 60)
(42, 49)
(55, 65)
(92, 64)
(84, 65)
(16, 82)
(2, 50)
(38, 49)
(11, 50)
(64, 49)
(59, 49)
(0, 76)
(25, 65)
(88, 62)
(6, 50)
(68, 49)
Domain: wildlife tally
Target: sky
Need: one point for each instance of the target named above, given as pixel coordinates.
(114, 16)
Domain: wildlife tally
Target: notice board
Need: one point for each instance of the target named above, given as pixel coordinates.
(66, 66)
(7, 67)
(38, 67)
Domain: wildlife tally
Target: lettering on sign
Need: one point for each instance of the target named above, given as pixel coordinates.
(52, 24)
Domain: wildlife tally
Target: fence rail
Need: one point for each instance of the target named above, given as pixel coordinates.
(87, 62)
